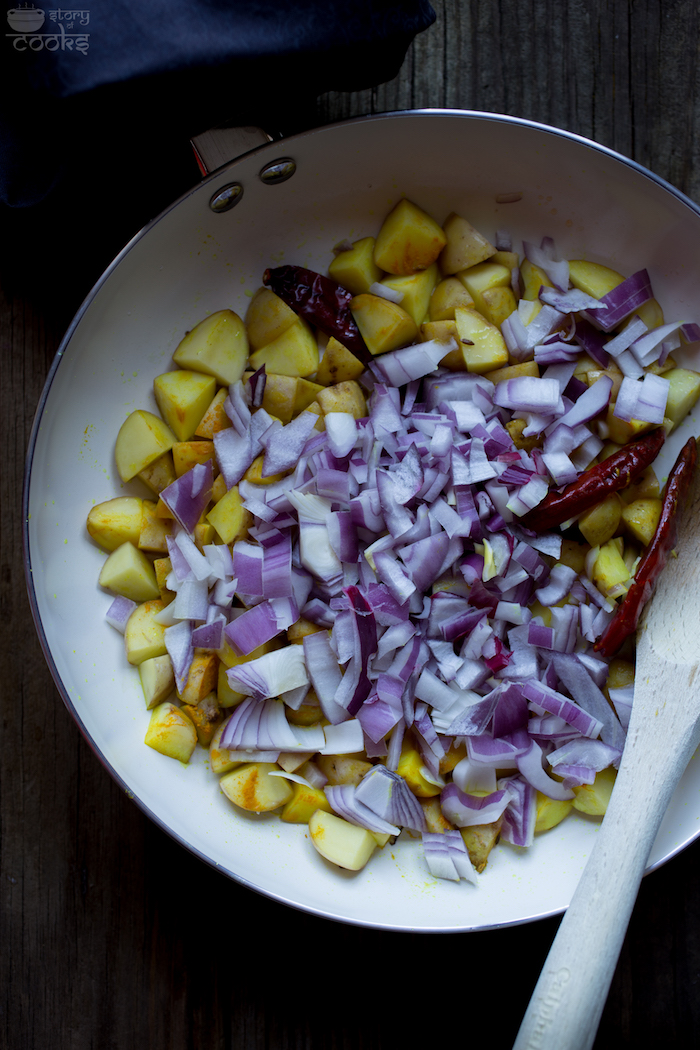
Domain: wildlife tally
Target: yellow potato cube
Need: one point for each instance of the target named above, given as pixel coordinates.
(609, 569)
(622, 431)
(162, 568)
(128, 572)
(186, 454)
(303, 804)
(343, 769)
(445, 332)
(344, 397)
(202, 677)
(206, 717)
(515, 428)
(651, 313)
(464, 246)
(480, 840)
(593, 798)
(550, 812)
(215, 418)
(509, 259)
(251, 787)
(280, 396)
(341, 843)
(435, 819)
(573, 554)
(220, 760)
(337, 364)
(600, 523)
(483, 345)
(143, 437)
(299, 630)
(171, 733)
(416, 290)
(410, 767)
(217, 346)
(116, 521)
(157, 680)
(229, 697)
(593, 278)
(409, 240)
(293, 353)
(448, 294)
(154, 530)
(498, 304)
(159, 474)
(306, 395)
(144, 637)
(230, 518)
(523, 368)
(267, 317)
(641, 517)
(485, 277)
(683, 392)
(355, 268)
(183, 397)
(383, 325)
(532, 278)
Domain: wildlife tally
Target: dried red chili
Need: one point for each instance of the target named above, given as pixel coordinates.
(321, 302)
(614, 473)
(656, 554)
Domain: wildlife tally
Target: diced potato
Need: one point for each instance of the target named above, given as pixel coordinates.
(215, 418)
(293, 353)
(620, 674)
(452, 757)
(609, 569)
(171, 733)
(435, 819)
(308, 713)
(341, 843)
(683, 392)
(355, 268)
(593, 278)
(202, 677)
(337, 364)
(484, 347)
(229, 517)
(252, 788)
(410, 767)
(445, 332)
(206, 717)
(523, 368)
(128, 572)
(515, 428)
(306, 394)
(204, 534)
(573, 554)
(343, 769)
(157, 680)
(532, 278)
(448, 294)
(116, 521)
(154, 530)
(623, 431)
(183, 397)
(594, 374)
(465, 246)
(593, 798)
(229, 697)
(498, 304)
(416, 289)
(645, 487)
(218, 488)
(344, 397)
(143, 437)
(304, 803)
(483, 277)
(280, 395)
(480, 840)
(509, 259)
(384, 325)
(600, 523)
(159, 474)
(255, 475)
(217, 346)
(299, 630)
(651, 313)
(186, 454)
(162, 568)
(641, 517)
(267, 318)
(409, 240)
(220, 760)
(144, 637)
(550, 812)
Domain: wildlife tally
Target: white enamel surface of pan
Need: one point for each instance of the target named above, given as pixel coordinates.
(190, 262)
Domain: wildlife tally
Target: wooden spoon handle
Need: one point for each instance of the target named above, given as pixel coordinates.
(568, 1000)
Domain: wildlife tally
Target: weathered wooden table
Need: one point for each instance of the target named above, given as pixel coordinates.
(114, 936)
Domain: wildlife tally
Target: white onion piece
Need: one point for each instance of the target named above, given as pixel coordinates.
(385, 292)
(341, 429)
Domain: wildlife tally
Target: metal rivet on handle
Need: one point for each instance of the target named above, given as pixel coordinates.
(226, 197)
(277, 171)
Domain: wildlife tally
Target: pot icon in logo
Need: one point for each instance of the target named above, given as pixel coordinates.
(25, 19)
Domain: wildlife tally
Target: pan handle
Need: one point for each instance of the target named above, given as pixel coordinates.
(218, 146)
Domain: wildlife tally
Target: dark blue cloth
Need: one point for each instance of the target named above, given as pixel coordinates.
(180, 66)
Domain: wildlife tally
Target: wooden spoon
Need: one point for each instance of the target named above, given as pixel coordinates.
(664, 731)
